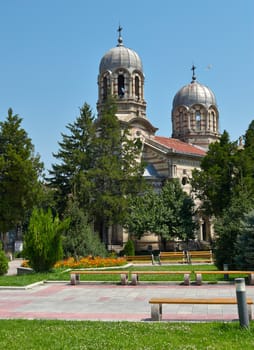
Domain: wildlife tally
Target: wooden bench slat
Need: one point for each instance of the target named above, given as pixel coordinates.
(222, 301)
(75, 275)
(219, 272)
(135, 275)
(161, 272)
(101, 272)
(156, 304)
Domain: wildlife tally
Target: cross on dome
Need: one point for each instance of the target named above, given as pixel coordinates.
(193, 73)
(120, 39)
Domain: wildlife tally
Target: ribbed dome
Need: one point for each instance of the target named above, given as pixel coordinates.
(120, 57)
(194, 93)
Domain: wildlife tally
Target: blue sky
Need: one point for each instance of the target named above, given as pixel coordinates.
(51, 50)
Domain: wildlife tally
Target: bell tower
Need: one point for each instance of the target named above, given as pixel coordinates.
(121, 75)
(195, 115)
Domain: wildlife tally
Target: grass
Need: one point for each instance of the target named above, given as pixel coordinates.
(63, 275)
(63, 335)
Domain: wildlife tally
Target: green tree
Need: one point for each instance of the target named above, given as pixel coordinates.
(98, 167)
(20, 172)
(129, 248)
(43, 240)
(3, 262)
(244, 257)
(75, 156)
(227, 227)
(117, 171)
(225, 187)
(79, 239)
(169, 214)
(217, 176)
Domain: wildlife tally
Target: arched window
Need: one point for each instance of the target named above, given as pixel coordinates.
(214, 121)
(121, 89)
(198, 121)
(105, 88)
(137, 87)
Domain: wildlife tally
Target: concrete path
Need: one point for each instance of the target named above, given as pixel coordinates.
(111, 302)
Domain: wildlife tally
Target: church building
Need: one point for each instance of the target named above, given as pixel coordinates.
(195, 124)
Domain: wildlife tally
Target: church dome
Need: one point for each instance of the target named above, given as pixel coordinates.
(120, 57)
(194, 93)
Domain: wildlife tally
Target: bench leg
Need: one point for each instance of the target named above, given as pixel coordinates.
(75, 279)
(198, 279)
(249, 312)
(186, 279)
(134, 279)
(124, 278)
(251, 278)
(156, 312)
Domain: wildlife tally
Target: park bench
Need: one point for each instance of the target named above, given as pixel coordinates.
(156, 304)
(75, 275)
(135, 275)
(140, 258)
(200, 256)
(200, 273)
(172, 257)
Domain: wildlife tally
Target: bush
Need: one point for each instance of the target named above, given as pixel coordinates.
(129, 248)
(245, 244)
(79, 239)
(3, 261)
(43, 240)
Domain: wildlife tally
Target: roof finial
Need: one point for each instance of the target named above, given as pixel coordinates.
(193, 73)
(120, 39)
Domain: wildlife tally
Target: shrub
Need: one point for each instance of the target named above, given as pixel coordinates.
(79, 239)
(43, 241)
(3, 261)
(129, 248)
(245, 244)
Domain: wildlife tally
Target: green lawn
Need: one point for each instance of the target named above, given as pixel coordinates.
(60, 275)
(41, 335)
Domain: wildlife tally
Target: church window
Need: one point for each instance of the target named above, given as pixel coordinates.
(184, 180)
(121, 89)
(214, 121)
(198, 121)
(137, 87)
(105, 88)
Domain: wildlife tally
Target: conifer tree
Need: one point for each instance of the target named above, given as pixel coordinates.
(20, 172)
(98, 166)
(75, 156)
(244, 246)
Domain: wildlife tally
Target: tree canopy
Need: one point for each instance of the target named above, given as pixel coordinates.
(224, 174)
(20, 172)
(98, 165)
(169, 213)
(225, 187)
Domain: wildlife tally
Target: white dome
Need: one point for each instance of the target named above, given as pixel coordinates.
(194, 93)
(120, 57)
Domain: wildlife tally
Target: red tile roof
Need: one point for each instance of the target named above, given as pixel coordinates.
(179, 146)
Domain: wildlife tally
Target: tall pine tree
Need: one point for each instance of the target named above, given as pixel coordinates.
(99, 165)
(75, 158)
(20, 172)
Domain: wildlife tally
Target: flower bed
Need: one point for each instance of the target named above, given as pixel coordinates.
(90, 262)
(85, 262)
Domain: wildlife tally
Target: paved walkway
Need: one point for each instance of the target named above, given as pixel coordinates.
(91, 301)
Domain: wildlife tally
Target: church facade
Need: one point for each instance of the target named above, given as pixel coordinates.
(195, 124)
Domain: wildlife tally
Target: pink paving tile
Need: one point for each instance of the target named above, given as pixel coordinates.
(74, 316)
(49, 290)
(9, 306)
